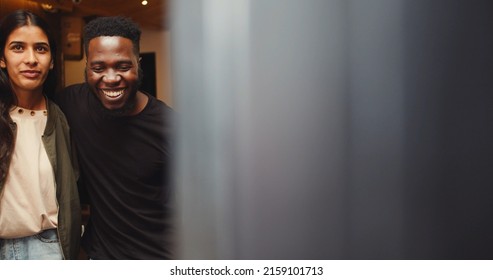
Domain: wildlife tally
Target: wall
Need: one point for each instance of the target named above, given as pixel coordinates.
(7, 6)
(158, 42)
(261, 89)
(151, 41)
(345, 129)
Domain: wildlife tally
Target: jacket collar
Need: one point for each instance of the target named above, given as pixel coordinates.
(52, 114)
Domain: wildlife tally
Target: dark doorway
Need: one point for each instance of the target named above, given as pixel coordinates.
(148, 64)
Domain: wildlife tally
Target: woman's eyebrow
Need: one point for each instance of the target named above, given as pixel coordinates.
(23, 43)
(16, 42)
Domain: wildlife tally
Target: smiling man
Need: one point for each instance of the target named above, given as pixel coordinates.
(122, 136)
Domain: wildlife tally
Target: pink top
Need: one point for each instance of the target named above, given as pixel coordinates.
(28, 202)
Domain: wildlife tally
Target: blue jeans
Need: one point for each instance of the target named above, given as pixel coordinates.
(41, 246)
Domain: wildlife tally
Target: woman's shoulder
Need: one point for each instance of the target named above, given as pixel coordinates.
(56, 120)
(56, 114)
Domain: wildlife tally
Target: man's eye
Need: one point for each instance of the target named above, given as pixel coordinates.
(97, 69)
(124, 67)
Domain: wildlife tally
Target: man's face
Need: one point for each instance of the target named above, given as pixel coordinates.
(112, 71)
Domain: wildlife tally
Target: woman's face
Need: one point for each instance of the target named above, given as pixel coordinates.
(27, 58)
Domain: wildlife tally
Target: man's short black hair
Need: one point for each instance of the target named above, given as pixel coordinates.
(113, 26)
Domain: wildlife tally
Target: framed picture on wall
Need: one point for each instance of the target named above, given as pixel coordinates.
(72, 38)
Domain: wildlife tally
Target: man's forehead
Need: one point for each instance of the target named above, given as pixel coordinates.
(110, 41)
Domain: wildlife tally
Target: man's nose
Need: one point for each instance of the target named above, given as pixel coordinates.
(111, 77)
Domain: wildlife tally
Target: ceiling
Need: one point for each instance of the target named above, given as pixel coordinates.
(154, 15)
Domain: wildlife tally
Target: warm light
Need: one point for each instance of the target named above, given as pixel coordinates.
(48, 8)
(144, 2)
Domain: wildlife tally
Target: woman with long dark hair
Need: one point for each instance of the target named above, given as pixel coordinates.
(39, 203)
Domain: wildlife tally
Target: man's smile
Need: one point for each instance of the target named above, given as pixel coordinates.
(113, 93)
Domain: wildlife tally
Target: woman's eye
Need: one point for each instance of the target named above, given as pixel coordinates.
(17, 47)
(42, 49)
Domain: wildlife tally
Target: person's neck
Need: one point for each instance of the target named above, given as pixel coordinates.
(31, 100)
(140, 102)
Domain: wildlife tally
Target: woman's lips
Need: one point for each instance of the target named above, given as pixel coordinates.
(31, 74)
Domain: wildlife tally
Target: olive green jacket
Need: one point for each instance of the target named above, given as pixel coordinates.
(56, 140)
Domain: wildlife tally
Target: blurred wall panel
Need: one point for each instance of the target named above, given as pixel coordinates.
(292, 191)
(376, 112)
(449, 132)
(260, 90)
(334, 129)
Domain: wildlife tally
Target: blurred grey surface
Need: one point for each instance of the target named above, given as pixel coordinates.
(345, 129)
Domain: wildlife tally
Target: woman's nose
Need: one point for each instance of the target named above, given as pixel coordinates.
(30, 57)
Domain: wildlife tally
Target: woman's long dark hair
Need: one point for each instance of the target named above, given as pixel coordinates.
(8, 98)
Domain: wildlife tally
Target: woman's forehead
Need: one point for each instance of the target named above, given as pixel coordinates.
(28, 33)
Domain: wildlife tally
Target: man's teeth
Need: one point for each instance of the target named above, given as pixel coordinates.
(112, 93)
